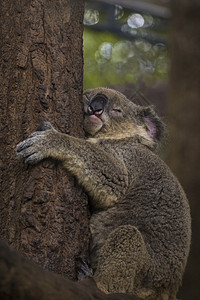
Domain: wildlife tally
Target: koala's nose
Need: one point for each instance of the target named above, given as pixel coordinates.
(97, 105)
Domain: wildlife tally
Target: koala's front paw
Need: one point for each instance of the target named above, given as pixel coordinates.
(34, 148)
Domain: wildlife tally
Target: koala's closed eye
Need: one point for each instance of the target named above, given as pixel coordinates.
(117, 110)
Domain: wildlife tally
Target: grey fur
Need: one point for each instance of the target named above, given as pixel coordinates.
(141, 218)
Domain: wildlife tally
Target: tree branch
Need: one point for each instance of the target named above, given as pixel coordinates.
(21, 279)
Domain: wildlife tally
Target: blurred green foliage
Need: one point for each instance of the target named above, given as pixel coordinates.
(111, 59)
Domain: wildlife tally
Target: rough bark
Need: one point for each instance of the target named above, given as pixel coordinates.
(184, 108)
(43, 212)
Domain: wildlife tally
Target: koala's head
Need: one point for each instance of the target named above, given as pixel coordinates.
(109, 114)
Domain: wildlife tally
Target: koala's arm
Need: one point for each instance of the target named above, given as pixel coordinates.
(102, 175)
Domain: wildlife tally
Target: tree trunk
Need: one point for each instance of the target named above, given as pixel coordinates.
(184, 108)
(44, 214)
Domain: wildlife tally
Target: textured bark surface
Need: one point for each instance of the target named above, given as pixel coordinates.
(184, 108)
(43, 212)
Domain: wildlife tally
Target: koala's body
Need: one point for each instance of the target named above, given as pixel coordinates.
(140, 223)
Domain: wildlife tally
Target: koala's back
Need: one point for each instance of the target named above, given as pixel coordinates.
(154, 203)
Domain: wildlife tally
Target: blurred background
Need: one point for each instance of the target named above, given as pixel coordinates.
(125, 47)
(130, 45)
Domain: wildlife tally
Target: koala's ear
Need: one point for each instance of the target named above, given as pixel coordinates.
(154, 126)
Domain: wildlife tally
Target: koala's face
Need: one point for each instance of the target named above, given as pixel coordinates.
(105, 108)
(108, 113)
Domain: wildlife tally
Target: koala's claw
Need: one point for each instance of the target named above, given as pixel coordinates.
(33, 159)
(32, 148)
(45, 126)
(85, 270)
(25, 144)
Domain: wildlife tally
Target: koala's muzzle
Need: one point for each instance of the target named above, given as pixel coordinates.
(97, 105)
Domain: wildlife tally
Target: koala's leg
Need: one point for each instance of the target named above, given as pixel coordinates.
(123, 262)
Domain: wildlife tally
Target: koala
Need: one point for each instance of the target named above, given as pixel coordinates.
(140, 223)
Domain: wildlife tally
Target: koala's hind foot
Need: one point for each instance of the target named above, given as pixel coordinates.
(122, 260)
(84, 269)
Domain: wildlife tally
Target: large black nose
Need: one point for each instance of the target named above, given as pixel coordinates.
(97, 104)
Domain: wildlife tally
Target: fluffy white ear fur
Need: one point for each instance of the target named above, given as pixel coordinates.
(154, 126)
